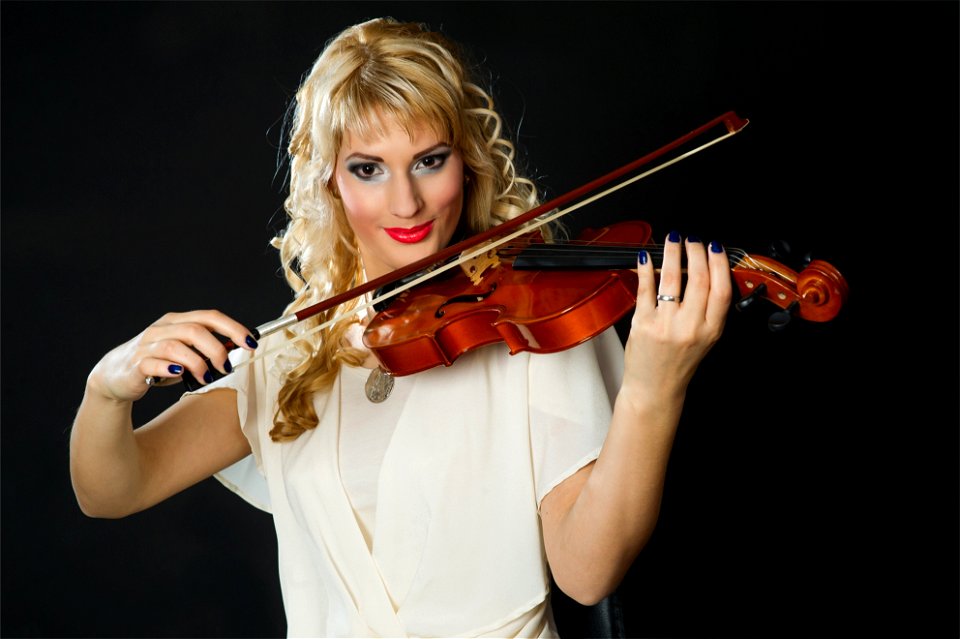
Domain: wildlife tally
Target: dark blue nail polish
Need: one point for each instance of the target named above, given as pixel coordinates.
(642, 257)
(207, 377)
(694, 239)
(227, 366)
(175, 369)
(252, 343)
(674, 236)
(716, 247)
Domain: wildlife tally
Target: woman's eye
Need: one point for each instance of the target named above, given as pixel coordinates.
(432, 162)
(366, 170)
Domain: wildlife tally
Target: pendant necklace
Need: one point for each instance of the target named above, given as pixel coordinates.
(379, 385)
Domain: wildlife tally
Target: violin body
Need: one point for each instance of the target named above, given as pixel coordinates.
(536, 309)
(546, 298)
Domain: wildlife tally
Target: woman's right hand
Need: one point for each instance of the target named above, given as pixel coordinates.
(175, 343)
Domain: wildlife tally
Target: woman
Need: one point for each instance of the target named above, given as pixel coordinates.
(444, 509)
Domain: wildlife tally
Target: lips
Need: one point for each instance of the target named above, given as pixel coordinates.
(411, 235)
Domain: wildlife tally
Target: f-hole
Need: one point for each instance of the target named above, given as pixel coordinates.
(469, 299)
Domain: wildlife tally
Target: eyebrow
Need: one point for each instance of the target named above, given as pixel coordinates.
(417, 156)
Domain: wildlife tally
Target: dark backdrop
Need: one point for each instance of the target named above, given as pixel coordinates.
(813, 486)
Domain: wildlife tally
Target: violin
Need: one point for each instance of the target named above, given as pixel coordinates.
(546, 297)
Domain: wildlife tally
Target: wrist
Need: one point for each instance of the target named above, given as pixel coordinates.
(98, 391)
(642, 401)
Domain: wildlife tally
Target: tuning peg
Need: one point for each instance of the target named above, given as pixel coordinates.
(747, 300)
(779, 320)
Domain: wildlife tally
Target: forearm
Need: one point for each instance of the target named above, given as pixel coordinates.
(104, 459)
(116, 469)
(595, 525)
(616, 509)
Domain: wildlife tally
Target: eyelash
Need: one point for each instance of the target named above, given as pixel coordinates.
(440, 160)
(358, 170)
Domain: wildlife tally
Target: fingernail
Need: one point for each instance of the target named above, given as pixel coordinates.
(674, 236)
(643, 257)
(716, 247)
(175, 369)
(252, 343)
(207, 377)
(227, 366)
(694, 239)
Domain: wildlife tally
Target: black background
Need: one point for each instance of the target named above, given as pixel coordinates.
(813, 486)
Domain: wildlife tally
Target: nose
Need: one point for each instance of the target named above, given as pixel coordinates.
(405, 200)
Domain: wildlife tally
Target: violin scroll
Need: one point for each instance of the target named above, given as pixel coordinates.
(814, 294)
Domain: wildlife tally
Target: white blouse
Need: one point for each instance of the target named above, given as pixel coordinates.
(418, 517)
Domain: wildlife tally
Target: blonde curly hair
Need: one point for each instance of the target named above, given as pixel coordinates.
(377, 70)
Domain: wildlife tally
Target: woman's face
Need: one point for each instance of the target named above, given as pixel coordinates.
(402, 195)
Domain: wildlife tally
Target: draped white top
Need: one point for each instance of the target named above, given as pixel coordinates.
(455, 546)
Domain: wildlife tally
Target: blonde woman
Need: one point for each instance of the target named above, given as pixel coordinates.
(444, 509)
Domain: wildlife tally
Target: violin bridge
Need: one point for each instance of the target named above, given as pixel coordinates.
(476, 266)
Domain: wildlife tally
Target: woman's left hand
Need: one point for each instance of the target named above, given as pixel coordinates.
(674, 326)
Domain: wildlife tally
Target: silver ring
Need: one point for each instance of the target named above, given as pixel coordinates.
(667, 298)
(151, 380)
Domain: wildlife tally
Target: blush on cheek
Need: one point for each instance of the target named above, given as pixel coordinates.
(452, 197)
(359, 209)
(345, 194)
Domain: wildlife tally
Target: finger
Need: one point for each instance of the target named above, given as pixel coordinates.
(167, 341)
(160, 372)
(217, 322)
(646, 283)
(698, 276)
(174, 352)
(721, 288)
(670, 271)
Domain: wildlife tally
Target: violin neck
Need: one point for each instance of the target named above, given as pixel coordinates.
(561, 257)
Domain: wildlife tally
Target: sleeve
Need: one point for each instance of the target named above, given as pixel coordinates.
(246, 477)
(571, 402)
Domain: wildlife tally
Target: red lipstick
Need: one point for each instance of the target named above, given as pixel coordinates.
(411, 235)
